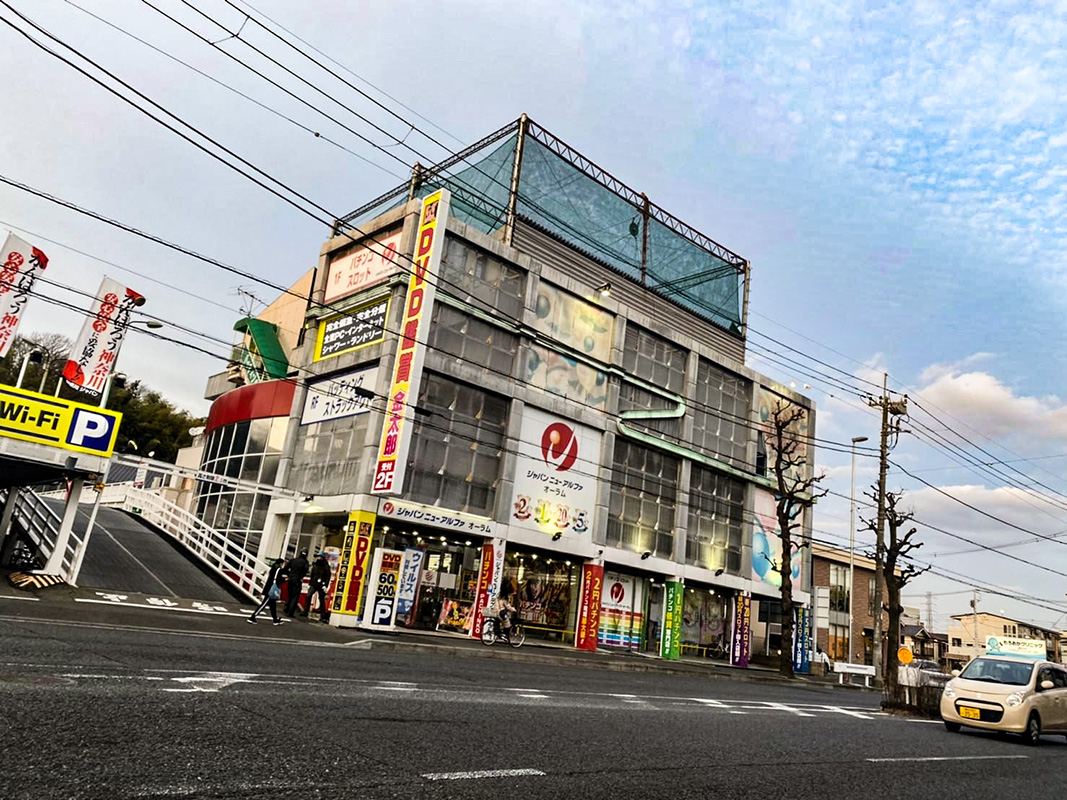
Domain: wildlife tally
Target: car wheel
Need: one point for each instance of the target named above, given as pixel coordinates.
(952, 727)
(1033, 729)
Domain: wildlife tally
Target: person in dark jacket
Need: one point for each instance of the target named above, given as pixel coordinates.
(272, 591)
(318, 582)
(298, 568)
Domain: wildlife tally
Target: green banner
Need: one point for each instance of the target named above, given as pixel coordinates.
(670, 644)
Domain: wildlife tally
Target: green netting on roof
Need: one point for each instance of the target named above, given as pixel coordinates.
(692, 276)
(562, 199)
(479, 192)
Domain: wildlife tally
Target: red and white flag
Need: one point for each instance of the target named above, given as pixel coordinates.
(21, 262)
(97, 348)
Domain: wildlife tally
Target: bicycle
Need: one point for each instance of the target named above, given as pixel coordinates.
(491, 631)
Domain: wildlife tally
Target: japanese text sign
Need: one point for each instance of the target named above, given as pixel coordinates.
(94, 354)
(589, 607)
(407, 371)
(741, 637)
(339, 396)
(365, 266)
(352, 569)
(670, 645)
(353, 330)
(19, 264)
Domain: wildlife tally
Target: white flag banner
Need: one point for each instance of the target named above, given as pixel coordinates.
(97, 348)
(21, 262)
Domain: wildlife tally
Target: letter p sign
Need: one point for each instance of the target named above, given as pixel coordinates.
(91, 430)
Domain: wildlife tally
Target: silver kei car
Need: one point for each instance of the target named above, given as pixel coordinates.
(1007, 693)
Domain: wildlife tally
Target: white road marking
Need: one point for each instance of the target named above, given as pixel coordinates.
(18, 597)
(790, 709)
(211, 681)
(535, 696)
(162, 608)
(482, 773)
(396, 688)
(742, 713)
(848, 712)
(942, 758)
(927, 721)
(708, 702)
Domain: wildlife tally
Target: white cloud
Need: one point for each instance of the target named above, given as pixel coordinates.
(994, 408)
(935, 371)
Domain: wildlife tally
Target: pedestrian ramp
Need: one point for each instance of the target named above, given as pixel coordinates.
(125, 554)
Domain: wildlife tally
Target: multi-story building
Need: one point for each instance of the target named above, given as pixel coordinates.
(968, 635)
(830, 575)
(515, 372)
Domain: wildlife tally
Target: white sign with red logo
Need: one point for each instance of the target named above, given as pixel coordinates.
(556, 475)
(96, 350)
(366, 266)
(19, 264)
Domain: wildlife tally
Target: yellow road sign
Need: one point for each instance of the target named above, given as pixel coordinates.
(34, 417)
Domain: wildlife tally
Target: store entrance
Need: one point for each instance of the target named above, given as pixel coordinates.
(447, 583)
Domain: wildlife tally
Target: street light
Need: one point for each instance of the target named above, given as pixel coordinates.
(852, 547)
(33, 356)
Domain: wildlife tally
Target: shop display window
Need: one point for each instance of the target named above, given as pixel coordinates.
(546, 593)
(704, 623)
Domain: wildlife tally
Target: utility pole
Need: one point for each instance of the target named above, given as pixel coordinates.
(930, 610)
(974, 620)
(889, 408)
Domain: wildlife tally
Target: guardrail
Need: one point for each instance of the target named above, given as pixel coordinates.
(232, 562)
(40, 524)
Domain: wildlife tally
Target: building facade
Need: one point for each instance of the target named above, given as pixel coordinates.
(969, 636)
(540, 391)
(830, 571)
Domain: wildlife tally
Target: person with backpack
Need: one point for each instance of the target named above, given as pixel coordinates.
(272, 591)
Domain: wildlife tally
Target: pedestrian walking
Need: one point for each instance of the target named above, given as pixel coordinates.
(298, 568)
(272, 591)
(317, 583)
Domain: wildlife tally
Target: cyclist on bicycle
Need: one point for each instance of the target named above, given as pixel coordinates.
(503, 609)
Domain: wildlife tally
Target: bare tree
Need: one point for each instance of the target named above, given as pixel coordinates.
(898, 570)
(792, 473)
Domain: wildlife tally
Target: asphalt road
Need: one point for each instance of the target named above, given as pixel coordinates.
(92, 710)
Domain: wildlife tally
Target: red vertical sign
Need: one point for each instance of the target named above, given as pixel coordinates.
(589, 607)
(485, 578)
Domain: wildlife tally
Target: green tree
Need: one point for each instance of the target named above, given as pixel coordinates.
(150, 423)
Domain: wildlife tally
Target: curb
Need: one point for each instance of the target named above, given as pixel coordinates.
(612, 665)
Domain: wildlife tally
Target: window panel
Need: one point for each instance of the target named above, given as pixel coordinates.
(721, 413)
(716, 506)
(474, 275)
(643, 498)
(654, 359)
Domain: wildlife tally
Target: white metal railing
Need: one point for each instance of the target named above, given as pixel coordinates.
(228, 559)
(41, 526)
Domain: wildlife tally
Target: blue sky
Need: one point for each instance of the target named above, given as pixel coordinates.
(894, 171)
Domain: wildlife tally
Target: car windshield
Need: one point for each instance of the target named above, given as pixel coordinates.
(993, 671)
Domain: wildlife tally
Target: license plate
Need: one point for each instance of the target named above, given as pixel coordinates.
(970, 713)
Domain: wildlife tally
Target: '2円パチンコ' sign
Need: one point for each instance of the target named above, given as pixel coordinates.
(407, 370)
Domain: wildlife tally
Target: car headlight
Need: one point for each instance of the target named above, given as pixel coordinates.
(949, 691)
(1015, 698)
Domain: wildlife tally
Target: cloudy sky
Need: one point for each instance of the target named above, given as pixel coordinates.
(894, 171)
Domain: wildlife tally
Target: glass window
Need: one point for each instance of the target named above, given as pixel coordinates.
(644, 491)
(716, 505)
(839, 588)
(473, 275)
(455, 460)
(720, 414)
(838, 644)
(870, 598)
(634, 397)
(257, 435)
(471, 340)
(240, 438)
(654, 359)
